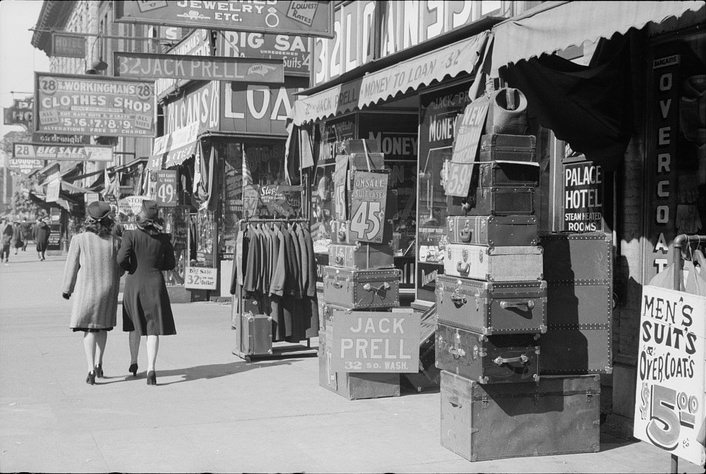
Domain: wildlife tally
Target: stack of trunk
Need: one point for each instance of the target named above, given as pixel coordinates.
(360, 276)
(492, 313)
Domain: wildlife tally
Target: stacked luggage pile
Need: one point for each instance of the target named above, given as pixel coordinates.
(492, 305)
(360, 276)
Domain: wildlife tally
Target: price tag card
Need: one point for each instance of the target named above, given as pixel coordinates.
(368, 199)
(200, 278)
(459, 178)
(166, 188)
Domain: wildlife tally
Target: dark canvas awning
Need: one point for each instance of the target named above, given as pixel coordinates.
(554, 26)
(174, 148)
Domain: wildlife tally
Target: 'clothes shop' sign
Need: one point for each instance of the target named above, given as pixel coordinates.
(669, 394)
(370, 341)
(89, 105)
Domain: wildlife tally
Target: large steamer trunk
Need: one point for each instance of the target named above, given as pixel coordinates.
(361, 256)
(489, 308)
(494, 231)
(495, 201)
(558, 415)
(578, 269)
(487, 359)
(480, 262)
(362, 289)
(500, 146)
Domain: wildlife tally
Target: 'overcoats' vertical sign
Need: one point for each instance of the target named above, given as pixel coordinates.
(669, 394)
(368, 341)
(368, 199)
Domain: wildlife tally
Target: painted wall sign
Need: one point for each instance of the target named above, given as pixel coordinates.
(294, 51)
(306, 18)
(38, 151)
(366, 341)
(197, 43)
(583, 197)
(200, 278)
(201, 105)
(166, 188)
(259, 108)
(93, 105)
(199, 68)
(68, 45)
(669, 393)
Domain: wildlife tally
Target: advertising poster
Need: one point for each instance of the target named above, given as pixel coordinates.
(368, 199)
(308, 18)
(369, 341)
(94, 105)
(669, 394)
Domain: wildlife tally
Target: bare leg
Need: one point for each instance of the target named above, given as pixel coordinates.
(89, 347)
(134, 346)
(152, 348)
(101, 339)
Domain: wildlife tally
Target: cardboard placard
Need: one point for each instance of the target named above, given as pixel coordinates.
(166, 188)
(458, 180)
(368, 199)
(200, 278)
(371, 341)
(470, 127)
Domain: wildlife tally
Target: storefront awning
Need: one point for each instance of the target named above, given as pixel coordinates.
(448, 61)
(554, 26)
(174, 148)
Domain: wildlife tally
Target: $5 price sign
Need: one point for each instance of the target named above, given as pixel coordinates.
(668, 412)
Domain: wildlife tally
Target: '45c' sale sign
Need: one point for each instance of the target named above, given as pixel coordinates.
(669, 398)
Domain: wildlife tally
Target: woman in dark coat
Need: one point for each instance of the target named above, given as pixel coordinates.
(41, 236)
(144, 254)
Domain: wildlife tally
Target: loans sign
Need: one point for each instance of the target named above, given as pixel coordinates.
(669, 398)
(199, 68)
(91, 105)
(38, 151)
(371, 341)
(306, 18)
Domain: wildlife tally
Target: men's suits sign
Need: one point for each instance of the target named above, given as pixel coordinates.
(669, 398)
(306, 18)
(93, 105)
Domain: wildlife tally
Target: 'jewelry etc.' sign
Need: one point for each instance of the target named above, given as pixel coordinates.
(669, 394)
(91, 105)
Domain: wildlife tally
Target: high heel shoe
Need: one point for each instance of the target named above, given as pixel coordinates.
(91, 379)
(133, 369)
(99, 371)
(151, 378)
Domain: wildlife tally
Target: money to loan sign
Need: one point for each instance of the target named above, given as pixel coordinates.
(88, 105)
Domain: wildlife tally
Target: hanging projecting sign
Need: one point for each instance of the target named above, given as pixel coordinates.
(91, 105)
(669, 394)
(21, 113)
(38, 151)
(292, 50)
(166, 188)
(68, 46)
(24, 165)
(306, 18)
(56, 139)
(199, 68)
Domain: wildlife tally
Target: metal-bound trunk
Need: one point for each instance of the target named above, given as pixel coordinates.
(354, 386)
(362, 289)
(494, 231)
(481, 262)
(500, 146)
(497, 201)
(558, 415)
(487, 359)
(360, 256)
(516, 307)
(579, 273)
(502, 173)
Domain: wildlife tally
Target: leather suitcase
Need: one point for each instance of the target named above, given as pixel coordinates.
(499, 146)
(488, 308)
(579, 274)
(492, 230)
(254, 335)
(354, 386)
(502, 173)
(497, 201)
(361, 256)
(481, 262)
(558, 415)
(362, 289)
(510, 358)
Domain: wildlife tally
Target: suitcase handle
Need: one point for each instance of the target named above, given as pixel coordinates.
(383, 286)
(336, 284)
(525, 305)
(523, 359)
(456, 352)
(465, 235)
(339, 260)
(458, 299)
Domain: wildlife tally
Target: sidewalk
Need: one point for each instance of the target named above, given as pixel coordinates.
(212, 411)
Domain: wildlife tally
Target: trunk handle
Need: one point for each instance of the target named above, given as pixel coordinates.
(459, 300)
(457, 352)
(529, 304)
(523, 359)
(377, 289)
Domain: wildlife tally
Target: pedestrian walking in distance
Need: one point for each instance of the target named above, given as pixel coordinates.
(18, 243)
(41, 236)
(26, 233)
(6, 232)
(92, 276)
(144, 253)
